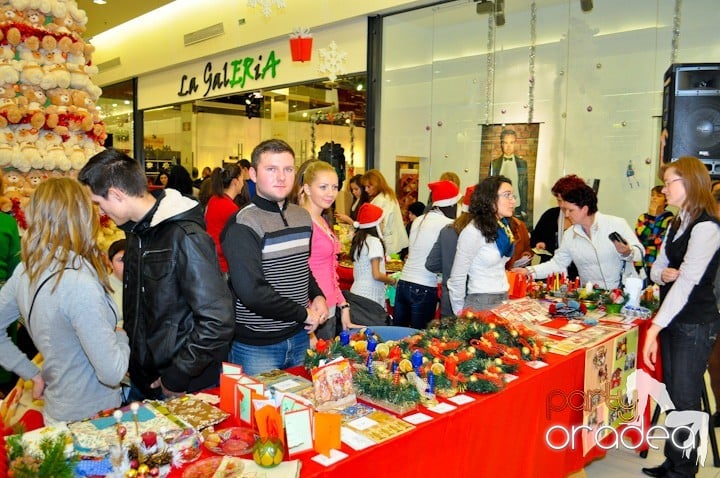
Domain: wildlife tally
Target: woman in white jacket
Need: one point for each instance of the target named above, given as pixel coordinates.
(478, 280)
(381, 194)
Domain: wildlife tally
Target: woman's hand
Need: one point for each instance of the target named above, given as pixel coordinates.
(650, 348)
(540, 245)
(669, 274)
(347, 321)
(38, 389)
(519, 270)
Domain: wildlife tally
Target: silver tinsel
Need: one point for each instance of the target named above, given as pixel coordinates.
(490, 68)
(676, 31)
(531, 65)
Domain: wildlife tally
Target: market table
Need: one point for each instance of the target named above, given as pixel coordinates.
(496, 434)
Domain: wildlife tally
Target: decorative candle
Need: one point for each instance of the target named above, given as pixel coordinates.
(369, 364)
(416, 360)
(117, 415)
(431, 383)
(371, 344)
(134, 407)
(589, 287)
(344, 337)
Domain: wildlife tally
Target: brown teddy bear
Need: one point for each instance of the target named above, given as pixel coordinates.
(10, 111)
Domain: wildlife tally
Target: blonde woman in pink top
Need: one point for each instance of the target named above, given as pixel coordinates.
(317, 194)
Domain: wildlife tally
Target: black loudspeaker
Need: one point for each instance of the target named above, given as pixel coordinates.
(691, 113)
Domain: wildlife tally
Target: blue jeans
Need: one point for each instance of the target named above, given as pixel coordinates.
(257, 359)
(685, 350)
(415, 305)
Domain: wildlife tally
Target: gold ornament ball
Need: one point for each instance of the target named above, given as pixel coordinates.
(143, 469)
(525, 351)
(498, 361)
(471, 350)
(131, 473)
(473, 378)
(492, 326)
(514, 333)
(436, 360)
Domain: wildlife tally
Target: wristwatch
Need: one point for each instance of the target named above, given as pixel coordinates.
(344, 306)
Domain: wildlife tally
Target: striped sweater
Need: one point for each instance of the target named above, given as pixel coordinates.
(267, 249)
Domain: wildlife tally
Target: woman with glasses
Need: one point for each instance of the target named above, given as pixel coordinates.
(687, 322)
(478, 280)
(599, 260)
(227, 183)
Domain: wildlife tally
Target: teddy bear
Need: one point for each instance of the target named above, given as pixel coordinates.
(8, 146)
(32, 180)
(31, 73)
(9, 71)
(29, 50)
(50, 52)
(10, 111)
(14, 184)
(35, 18)
(7, 51)
(83, 102)
(33, 101)
(76, 54)
(55, 76)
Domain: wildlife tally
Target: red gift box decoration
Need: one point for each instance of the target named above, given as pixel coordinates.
(301, 49)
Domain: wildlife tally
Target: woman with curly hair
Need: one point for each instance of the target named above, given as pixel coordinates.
(62, 289)
(478, 279)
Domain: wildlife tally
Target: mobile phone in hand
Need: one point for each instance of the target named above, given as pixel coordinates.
(614, 236)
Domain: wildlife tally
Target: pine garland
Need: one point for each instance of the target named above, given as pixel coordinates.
(471, 352)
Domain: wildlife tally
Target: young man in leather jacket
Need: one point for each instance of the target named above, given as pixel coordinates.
(177, 308)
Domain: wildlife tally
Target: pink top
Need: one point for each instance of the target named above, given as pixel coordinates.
(323, 264)
(217, 213)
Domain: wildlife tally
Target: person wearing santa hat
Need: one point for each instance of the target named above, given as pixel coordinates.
(368, 253)
(416, 297)
(442, 255)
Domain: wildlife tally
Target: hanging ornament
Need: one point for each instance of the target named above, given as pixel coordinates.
(589, 108)
(301, 44)
(331, 61)
(266, 5)
(531, 63)
(676, 31)
(490, 68)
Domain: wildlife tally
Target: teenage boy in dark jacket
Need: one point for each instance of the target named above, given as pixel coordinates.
(177, 308)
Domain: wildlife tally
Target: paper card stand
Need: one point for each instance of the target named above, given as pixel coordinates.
(237, 391)
(298, 422)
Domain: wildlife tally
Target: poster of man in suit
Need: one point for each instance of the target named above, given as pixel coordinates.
(511, 150)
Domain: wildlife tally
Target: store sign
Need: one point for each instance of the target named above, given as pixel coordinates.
(236, 73)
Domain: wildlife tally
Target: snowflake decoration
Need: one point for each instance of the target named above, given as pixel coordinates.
(266, 5)
(331, 61)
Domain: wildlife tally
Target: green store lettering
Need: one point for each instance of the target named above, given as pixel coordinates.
(232, 74)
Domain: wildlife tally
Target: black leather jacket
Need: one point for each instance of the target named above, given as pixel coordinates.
(177, 307)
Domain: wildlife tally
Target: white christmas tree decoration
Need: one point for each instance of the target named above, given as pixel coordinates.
(331, 61)
(266, 5)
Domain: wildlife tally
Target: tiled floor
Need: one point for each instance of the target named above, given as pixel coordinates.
(623, 463)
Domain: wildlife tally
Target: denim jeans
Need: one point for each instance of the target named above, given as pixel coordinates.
(685, 349)
(415, 305)
(256, 359)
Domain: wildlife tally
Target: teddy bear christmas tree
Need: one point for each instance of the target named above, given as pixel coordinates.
(48, 117)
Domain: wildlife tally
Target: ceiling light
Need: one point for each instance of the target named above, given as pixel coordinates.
(359, 87)
(99, 2)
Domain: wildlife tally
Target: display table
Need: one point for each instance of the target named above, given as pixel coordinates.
(497, 434)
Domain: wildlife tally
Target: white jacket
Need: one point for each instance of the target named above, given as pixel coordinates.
(595, 256)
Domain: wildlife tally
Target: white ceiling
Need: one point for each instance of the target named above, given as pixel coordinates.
(115, 12)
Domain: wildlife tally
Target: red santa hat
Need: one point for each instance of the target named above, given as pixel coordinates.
(444, 193)
(369, 215)
(466, 200)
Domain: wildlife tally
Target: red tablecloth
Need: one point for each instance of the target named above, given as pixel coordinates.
(497, 434)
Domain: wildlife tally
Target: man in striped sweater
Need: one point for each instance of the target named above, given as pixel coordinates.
(267, 246)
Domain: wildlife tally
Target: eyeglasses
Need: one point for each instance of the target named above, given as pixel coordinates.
(508, 195)
(668, 183)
